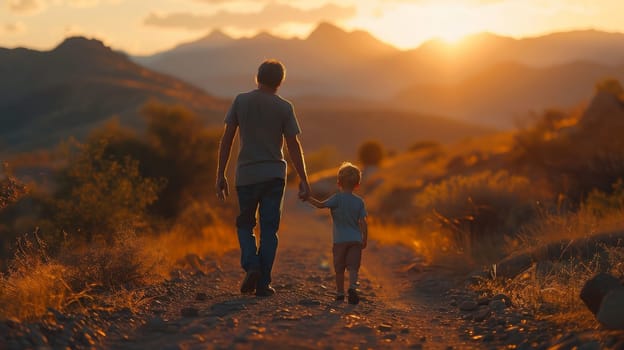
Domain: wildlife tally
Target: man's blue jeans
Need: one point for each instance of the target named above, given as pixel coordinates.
(266, 198)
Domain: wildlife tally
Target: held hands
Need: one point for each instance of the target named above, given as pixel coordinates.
(222, 188)
(304, 190)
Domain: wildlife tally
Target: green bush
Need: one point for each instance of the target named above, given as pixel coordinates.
(100, 195)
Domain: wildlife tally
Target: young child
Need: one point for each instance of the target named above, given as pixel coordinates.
(350, 232)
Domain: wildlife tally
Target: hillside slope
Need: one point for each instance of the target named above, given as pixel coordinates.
(48, 96)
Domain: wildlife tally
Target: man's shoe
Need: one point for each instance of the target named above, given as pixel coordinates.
(353, 298)
(340, 297)
(250, 281)
(265, 291)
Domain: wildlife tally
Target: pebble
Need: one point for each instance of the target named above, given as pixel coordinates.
(503, 298)
(390, 336)
(384, 327)
(497, 305)
(201, 297)
(309, 302)
(482, 314)
(468, 305)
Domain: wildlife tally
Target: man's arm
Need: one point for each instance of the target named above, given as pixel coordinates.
(364, 229)
(296, 155)
(225, 146)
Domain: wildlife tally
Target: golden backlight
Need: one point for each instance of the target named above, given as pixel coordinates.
(405, 24)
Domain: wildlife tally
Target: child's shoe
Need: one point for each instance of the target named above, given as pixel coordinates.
(354, 298)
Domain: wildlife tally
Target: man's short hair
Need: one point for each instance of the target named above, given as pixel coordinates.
(349, 175)
(271, 73)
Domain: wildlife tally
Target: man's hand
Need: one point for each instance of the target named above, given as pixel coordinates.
(222, 188)
(304, 190)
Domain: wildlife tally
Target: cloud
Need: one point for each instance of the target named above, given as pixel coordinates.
(26, 7)
(13, 28)
(464, 2)
(32, 7)
(273, 14)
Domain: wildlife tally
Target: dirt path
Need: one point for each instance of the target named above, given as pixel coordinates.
(400, 309)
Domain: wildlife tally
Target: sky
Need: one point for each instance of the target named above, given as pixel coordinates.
(142, 27)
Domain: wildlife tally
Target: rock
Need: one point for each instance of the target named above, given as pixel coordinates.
(190, 312)
(478, 276)
(596, 289)
(390, 336)
(611, 312)
(36, 337)
(497, 305)
(504, 298)
(384, 327)
(468, 305)
(592, 345)
(201, 297)
(309, 302)
(483, 300)
(482, 314)
(512, 265)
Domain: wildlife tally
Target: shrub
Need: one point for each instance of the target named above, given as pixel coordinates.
(477, 208)
(99, 195)
(370, 153)
(10, 188)
(611, 86)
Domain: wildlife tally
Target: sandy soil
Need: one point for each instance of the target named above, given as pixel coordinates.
(403, 301)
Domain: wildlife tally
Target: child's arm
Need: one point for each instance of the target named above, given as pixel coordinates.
(315, 202)
(364, 229)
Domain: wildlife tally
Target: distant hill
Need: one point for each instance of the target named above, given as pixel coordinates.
(346, 127)
(336, 63)
(47, 96)
(504, 92)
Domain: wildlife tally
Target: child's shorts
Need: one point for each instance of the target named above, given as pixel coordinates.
(347, 254)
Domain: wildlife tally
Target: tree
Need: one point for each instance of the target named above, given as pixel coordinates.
(370, 153)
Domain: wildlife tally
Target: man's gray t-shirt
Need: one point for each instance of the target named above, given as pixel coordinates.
(263, 119)
(347, 209)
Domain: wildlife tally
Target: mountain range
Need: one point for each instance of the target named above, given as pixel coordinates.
(48, 96)
(484, 78)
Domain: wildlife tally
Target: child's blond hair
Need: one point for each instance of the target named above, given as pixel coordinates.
(349, 176)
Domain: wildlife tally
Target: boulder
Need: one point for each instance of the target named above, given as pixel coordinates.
(611, 312)
(596, 289)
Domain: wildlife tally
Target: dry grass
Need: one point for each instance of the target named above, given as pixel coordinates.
(551, 287)
(101, 275)
(434, 246)
(551, 290)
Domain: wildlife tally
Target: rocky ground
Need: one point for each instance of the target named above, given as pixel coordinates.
(406, 304)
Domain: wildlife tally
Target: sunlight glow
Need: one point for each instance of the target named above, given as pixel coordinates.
(407, 23)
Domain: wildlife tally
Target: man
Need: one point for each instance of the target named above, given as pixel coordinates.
(264, 121)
